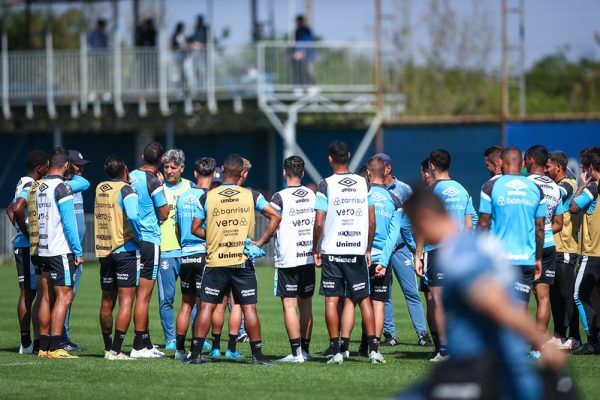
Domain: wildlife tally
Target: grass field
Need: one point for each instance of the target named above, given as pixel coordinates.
(92, 377)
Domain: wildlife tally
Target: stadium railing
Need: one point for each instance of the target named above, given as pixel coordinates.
(6, 233)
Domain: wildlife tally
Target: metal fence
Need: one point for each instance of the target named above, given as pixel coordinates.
(56, 77)
(6, 233)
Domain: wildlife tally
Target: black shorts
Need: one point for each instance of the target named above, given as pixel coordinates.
(150, 257)
(25, 268)
(120, 270)
(567, 258)
(345, 276)
(548, 266)
(61, 269)
(435, 277)
(525, 275)
(295, 282)
(217, 282)
(191, 270)
(380, 286)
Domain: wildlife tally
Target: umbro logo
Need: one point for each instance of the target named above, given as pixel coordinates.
(105, 187)
(516, 184)
(347, 182)
(190, 199)
(378, 196)
(300, 193)
(229, 192)
(542, 178)
(43, 187)
(451, 191)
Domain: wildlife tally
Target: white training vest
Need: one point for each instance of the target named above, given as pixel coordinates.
(553, 196)
(346, 227)
(20, 185)
(52, 238)
(293, 244)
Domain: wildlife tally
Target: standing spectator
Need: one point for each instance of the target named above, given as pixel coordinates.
(98, 39)
(146, 34)
(178, 40)
(304, 54)
(200, 37)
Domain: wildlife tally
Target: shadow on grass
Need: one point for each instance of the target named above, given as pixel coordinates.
(411, 355)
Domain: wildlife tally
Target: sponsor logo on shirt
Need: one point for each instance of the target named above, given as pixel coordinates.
(300, 193)
(451, 191)
(105, 187)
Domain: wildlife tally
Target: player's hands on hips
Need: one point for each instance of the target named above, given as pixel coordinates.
(538, 270)
(78, 260)
(380, 271)
(317, 259)
(553, 357)
(419, 266)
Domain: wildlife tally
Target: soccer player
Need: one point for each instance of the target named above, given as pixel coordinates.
(170, 251)
(426, 175)
(403, 267)
(588, 276)
(117, 231)
(564, 312)
(193, 250)
(37, 167)
(78, 184)
(342, 240)
(153, 209)
(229, 213)
(59, 251)
(516, 209)
(536, 158)
(459, 205)
(483, 319)
(493, 161)
(294, 265)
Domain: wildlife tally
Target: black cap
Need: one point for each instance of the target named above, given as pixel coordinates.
(76, 158)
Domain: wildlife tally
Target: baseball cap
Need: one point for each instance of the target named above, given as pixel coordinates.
(385, 157)
(218, 178)
(76, 158)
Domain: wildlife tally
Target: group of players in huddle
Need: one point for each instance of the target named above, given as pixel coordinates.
(151, 225)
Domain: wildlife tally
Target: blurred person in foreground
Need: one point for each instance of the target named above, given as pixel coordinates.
(486, 327)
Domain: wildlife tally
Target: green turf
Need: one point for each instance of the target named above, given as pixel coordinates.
(93, 377)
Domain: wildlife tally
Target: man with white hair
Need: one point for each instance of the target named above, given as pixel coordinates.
(170, 251)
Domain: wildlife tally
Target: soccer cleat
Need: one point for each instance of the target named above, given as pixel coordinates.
(111, 356)
(181, 355)
(346, 354)
(171, 345)
(587, 349)
(439, 358)
(291, 359)
(571, 344)
(376, 358)
(60, 353)
(195, 361)
(207, 345)
(306, 355)
(215, 353)
(26, 350)
(390, 340)
(328, 353)
(535, 355)
(556, 342)
(70, 346)
(233, 354)
(155, 352)
(42, 354)
(261, 361)
(243, 338)
(425, 340)
(143, 353)
(336, 359)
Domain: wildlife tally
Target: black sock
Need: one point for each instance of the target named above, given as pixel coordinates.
(436, 341)
(180, 339)
(363, 340)
(25, 338)
(232, 343)
(107, 337)
(36, 345)
(295, 345)
(54, 343)
(197, 344)
(44, 342)
(334, 345)
(443, 350)
(117, 343)
(138, 340)
(373, 343)
(147, 341)
(216, 341)
(345, 344)
(305, 344)
(256, 346)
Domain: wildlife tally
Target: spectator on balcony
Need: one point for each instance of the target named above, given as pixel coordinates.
(146, 34)
(98, 38)
(183, 68)
(200, 37)
(178, 39)
(304, 55)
